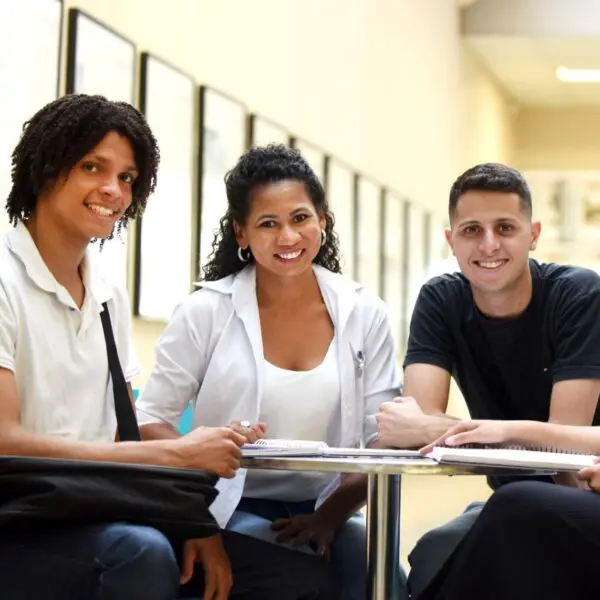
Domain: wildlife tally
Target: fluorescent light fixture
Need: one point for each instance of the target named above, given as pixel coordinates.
(578, 75)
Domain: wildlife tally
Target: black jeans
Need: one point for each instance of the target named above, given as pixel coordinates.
(531, 540)
(128, 562)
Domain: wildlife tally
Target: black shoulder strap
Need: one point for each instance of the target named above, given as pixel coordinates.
(126, 420)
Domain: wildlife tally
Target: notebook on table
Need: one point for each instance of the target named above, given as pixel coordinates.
(551, 460)
(265, 448)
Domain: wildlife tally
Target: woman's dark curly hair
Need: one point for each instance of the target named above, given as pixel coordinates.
(61, 134)
(257, 167)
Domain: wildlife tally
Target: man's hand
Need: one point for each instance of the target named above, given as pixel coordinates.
(210, 553)
(303, 529)
(252, 432)
(214, 449)
(397, 421)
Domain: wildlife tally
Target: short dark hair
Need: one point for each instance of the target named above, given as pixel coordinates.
(490, 177)
(62, 133)
(257, 167)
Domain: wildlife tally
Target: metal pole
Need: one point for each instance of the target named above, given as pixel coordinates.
(383, 536)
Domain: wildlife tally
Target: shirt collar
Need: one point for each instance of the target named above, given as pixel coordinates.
(21, 244)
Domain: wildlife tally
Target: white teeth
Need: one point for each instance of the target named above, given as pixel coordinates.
(101, 210)
(290, 255)
(490, 264)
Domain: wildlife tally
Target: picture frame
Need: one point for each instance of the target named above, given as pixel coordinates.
(223, 139)
(340, 192)
(416, 239)
(164, 258)
(439, 252)
(314, 156)
(263, 131)
(30, 52)
(110, 73)
(393, 283)
(368, 242)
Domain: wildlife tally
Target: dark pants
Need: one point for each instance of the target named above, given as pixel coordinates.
(531, 540)
(127, 562)
(436, 547)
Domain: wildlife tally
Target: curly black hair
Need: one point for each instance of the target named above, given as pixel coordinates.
(62, 133)
(257, 167)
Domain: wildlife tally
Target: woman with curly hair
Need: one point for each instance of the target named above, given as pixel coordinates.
(277, 343)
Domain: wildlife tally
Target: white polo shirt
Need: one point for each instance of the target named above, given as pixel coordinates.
(57, 351)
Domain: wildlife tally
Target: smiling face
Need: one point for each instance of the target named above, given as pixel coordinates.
(491, 236)
(91, 198)
(283, 228)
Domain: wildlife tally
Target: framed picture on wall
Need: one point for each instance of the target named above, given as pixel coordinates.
(101, 61)
(415, 256)
(164, 259)
(368, 213)
(440, 258)
(314, 156)
(340, 192)
(392, 250)
(30, 40)
(262, 131)
(222, 142)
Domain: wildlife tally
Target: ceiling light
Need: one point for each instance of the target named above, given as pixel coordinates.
(578, 75)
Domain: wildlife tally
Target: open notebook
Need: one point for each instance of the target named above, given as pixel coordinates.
(273, 447)
(484, 457)
(512, 458)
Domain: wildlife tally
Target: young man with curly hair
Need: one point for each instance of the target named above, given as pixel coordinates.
(83, 168)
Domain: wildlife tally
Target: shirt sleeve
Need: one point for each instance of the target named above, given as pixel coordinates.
(179, 367)
(8, 333)
(430, 338)
(381, 371)
(577, 336)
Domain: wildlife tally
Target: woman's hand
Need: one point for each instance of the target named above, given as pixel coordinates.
(591, 476)
(474, 432)
(306, 529)
(252, 432)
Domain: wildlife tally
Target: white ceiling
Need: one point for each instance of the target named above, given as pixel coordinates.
(525, 67)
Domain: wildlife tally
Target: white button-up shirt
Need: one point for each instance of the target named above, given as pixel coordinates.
(211, 354)
(56, 350)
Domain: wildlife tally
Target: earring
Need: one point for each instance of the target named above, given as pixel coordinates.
(323, 237)
(243, 257)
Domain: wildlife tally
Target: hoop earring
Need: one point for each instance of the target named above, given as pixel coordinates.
(323, 237)
(243, 257)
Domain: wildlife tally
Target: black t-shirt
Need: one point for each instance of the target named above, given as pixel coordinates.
(505, 368)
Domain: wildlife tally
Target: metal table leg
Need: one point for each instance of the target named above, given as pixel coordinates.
(383, 536)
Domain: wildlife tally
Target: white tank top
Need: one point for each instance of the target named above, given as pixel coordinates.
(297, 405)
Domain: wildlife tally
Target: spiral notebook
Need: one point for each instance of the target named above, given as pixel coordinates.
(553, 460)
(266, 448)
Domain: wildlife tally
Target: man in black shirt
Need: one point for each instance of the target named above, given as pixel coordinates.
(521, 339)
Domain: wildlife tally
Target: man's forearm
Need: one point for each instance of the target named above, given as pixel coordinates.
(426, 429)
(16, 441)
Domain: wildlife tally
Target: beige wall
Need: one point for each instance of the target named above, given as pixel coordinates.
(385, 85)
(488, 116)
(558, 138)
(378, 83)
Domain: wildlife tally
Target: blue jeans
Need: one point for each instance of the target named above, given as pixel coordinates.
(129, 562)
(349, 549)
(101, 562)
